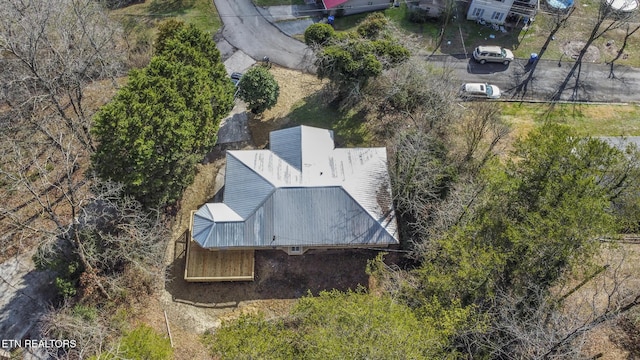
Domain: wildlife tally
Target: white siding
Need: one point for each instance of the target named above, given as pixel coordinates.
(358, 6)
(492, 11)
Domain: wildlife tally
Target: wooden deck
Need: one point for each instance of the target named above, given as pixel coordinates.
(204, 265)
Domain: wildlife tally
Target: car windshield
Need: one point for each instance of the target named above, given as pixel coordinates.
(503, 52)
(489, 90)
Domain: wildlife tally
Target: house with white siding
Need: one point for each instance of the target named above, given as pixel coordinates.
(303, 193)
(350, 7)
(498, 11)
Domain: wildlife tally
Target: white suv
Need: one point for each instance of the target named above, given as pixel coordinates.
(479, 91)
(483, 54)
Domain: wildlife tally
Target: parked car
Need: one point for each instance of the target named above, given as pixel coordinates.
(479, 91)
(483, 54)
(235, 78)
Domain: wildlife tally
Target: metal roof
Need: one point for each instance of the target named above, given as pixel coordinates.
(328, 4)
(303, 192)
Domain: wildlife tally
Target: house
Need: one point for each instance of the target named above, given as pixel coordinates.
(301, 194)
(500, 11)
(350, 7)
(430, 8)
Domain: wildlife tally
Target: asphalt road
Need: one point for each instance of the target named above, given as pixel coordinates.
(543, 81)
(246, 29)
(25, 294)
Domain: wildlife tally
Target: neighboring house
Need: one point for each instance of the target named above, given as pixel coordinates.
(349, 7)
(301, 194)
(433, 8)
(499, 11)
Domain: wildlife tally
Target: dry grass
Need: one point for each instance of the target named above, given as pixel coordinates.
(294, 87)
(622, 277)
(585, 119)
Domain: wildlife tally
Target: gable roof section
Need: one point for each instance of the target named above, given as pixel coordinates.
(302, 143)
(304, 192)
(245, 188)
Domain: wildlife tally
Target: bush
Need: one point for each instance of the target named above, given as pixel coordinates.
(64, 264)
(419, 16)
(318, 34)
(144, 343)
(84, 312)
(372, 25)
(259, 89)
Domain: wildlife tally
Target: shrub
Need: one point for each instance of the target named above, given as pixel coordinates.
(259, 89)
(372, 25)
(318, 34)
(144, 343)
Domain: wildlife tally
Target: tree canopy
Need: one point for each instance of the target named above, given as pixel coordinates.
(335, 325)
(165, 119)
(350, 60)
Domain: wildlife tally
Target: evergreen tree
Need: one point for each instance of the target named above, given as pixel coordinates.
(163, 122)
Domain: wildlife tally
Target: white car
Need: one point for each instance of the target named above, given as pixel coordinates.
(483, 54)
(479, 90)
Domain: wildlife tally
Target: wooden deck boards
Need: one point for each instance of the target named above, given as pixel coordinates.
(224, 265)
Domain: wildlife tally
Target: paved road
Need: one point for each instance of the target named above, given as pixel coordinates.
(522, 81)
(25, 295)
(246, 29)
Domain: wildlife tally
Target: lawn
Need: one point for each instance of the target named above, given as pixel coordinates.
(349, 127)
(147, 15)
(589, 120)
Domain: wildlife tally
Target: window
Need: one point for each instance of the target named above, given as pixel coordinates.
(478, 12)
(497, 16)
(295, 250)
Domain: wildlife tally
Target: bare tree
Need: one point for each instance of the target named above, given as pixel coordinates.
(55, 52)
(50, 56)
(559, 21)
(413, 95)
(556, 324)
(481, 128)
(606, 20)
(629, 30)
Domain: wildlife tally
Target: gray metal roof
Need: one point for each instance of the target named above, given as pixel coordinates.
(304, 194)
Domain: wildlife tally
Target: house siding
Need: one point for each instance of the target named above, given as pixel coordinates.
(492, 11)
(359, 6)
